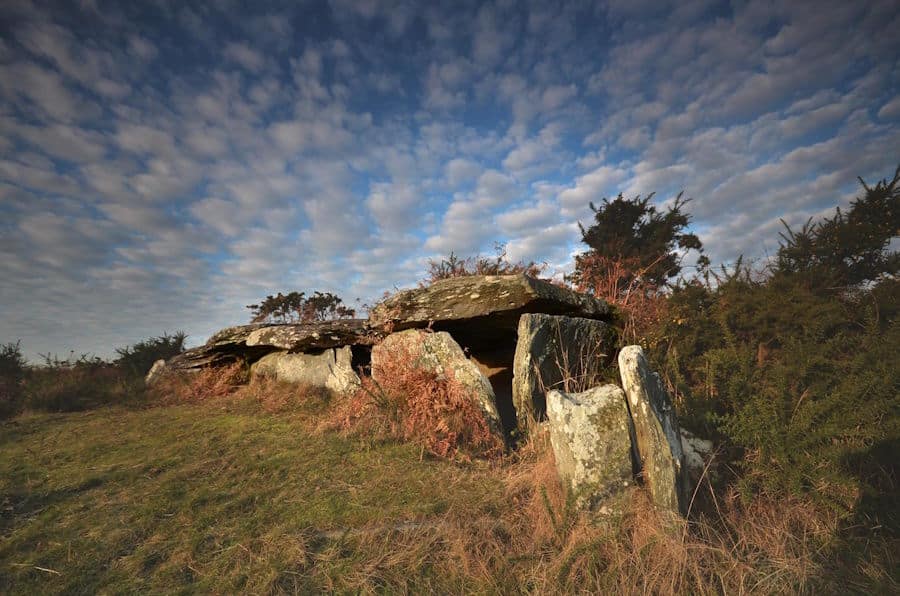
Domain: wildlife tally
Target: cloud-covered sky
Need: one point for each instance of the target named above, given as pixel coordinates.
(165, 163)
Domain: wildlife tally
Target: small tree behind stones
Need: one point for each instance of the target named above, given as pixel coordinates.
(635, 251)
(297, 307)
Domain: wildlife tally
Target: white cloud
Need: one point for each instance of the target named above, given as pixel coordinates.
(233, 154)
(890, 110)
(244, 55)
(518, 221)
(593, 186)
(461, 171)
(142, 47)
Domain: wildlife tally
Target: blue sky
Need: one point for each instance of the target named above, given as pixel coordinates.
(163, 164)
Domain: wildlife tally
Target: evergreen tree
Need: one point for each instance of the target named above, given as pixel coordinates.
(849, 248)
(632, 242)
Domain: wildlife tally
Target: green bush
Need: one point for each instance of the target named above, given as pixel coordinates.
(137, 359)
(795, 366)
(77, 384)
(12, 371)
(83, 382)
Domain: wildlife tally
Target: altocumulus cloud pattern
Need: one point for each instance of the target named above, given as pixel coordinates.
(164, 163)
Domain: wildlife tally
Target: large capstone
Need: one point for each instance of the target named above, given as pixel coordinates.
(658, 439)
(436, 353)
(481, 311)
(251, 342)
(589, 433)
(330, 369)
(556, 352)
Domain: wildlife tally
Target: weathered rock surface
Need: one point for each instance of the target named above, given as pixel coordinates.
(303, 337)
(591, 442)
(479, 310)
(331, 369)
(436, 352)
(156, 372)
(551, 348)
(658, 439)
(697, 453)
(251, 342)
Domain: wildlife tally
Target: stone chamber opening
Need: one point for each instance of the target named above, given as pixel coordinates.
(490, 342)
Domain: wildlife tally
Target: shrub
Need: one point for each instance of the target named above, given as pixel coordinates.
(297, 307)
(77, 384)
(12, 372)
(137, 359)
(635, 253)
(207, 384)
(499, 264)
(795, 365)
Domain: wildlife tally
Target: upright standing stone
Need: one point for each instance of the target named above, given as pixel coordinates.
(659, 448)
(437, 353)
(551, 349)
(592, 445)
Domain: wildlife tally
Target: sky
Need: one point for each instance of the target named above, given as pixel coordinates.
(165, 163)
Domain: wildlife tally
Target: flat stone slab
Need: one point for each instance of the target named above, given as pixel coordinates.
(303, 337)
(556, 352)
(589, 433)
(480, 296)
(658, 438)
(251, 342)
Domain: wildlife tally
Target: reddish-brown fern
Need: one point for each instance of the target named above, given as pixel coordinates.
(414, 404)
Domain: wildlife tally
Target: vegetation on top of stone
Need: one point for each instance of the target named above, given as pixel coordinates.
(453, 266)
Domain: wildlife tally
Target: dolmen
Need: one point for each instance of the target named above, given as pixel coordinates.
(526, 348)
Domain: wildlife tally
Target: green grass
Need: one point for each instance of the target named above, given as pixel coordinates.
(193, 498)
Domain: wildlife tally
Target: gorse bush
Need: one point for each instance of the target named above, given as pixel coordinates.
(795, 365)
(137, 359)
(12, 372)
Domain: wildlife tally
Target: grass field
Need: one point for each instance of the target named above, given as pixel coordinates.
(228, 497)
(183, 498)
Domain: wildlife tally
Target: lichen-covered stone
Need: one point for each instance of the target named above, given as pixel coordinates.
(156, 372)
(331, 369)
(697, 453)
(551, 348)
(476, 296)
(250, 342)
(658, 439)
(591, 443)
(302, 337)
(437, 353)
